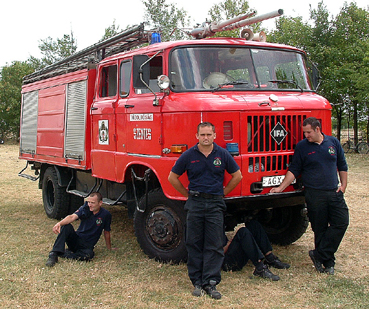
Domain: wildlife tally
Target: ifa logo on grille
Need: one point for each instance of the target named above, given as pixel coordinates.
(278, 133)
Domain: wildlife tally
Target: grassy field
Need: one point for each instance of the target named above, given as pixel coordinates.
(126, 278)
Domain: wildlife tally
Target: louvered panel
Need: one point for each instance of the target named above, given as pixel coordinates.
(265, 148)
(260, 127)
(29, 122)
(76, 121)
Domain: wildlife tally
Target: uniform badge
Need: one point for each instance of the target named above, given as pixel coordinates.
(98, 221)
(331, 150)
(217, 162)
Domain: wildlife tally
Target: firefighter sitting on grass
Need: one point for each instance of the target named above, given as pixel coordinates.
(94, 219)
(251, 243)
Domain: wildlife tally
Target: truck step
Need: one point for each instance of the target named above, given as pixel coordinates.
(78, 193)
(110, 202)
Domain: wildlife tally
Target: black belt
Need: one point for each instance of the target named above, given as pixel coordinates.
(205, 195)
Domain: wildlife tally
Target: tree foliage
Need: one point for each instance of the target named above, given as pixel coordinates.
(12, 76)
(54, 50)
(339, 47)
(226, 10)
(112, 30)
(10, 97)
(166, 18)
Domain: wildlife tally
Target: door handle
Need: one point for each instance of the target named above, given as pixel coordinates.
(93, 108)
(128, 106)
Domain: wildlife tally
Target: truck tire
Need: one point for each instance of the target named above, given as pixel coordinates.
(55, 198)
(160, 230)
(75, 203)
(285, 225)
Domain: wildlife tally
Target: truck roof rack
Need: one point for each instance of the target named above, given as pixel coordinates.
(123, 41)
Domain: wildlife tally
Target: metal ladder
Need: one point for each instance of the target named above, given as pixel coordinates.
(88, 57)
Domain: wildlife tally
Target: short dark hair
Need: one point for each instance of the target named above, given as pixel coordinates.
(205, 124)
(313, 122)
(98, 195)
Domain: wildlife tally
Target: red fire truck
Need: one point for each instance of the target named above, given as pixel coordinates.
(114, 119)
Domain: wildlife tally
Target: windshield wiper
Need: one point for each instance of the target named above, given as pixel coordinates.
(291, 82)
(232, 83)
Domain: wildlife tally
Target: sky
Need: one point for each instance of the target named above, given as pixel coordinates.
(24, 23)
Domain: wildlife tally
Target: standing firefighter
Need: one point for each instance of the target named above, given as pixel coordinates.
(317, 158)
(205, 164)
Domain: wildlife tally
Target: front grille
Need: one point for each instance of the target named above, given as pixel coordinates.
(260, 127)
(266, 153)
(269, 163)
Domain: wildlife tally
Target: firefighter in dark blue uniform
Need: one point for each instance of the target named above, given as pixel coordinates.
(94, 220)
(251, 243)
(205, 164)
(317, 159)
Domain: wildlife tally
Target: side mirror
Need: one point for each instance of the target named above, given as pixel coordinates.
(141, 71)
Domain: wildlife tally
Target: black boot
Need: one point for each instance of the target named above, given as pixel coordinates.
(52, 260)
(274, 261)
(265, 273)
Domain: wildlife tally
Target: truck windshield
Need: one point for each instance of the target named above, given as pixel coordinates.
(237, 68)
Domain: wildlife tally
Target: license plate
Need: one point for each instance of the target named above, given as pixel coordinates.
(272, 181)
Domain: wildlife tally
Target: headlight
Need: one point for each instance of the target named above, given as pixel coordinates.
(163, 82)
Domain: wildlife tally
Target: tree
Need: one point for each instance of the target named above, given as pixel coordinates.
(349, 47)
(12, 76)
(54, 50)
(166, 18)
(227, 10)
(110, 31)
(10, 96)
(338, 45)
(292, 31)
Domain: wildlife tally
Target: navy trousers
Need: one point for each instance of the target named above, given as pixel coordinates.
(78, 249)
(204, 239)
(329, 218)
(249, 243)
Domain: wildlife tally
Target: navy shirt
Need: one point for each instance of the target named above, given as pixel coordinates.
(92, 225)
(318, 163)
(206, 174)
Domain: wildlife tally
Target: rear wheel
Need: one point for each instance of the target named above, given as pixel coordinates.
(285, 225)
(55, 198)
(362, 148)
(160, 229)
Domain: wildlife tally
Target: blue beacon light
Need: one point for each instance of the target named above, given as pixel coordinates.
(155, 38)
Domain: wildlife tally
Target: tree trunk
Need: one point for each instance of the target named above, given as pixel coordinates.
(355, 120)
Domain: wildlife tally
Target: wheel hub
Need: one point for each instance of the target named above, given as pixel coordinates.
(162, 228)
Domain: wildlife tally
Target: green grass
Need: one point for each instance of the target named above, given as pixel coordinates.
(126, 278)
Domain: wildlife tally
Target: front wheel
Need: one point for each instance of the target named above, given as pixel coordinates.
(160, 230)
(55, 198)
(346, 147)
(285, 225)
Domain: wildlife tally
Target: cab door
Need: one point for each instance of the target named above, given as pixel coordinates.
(143, 118)
(104, 122)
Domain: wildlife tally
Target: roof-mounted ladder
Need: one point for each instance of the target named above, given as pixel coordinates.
(123, 41)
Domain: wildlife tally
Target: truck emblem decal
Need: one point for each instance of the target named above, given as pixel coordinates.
(142, 133)
(141, 117)
(104, 132)
(278, 133)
